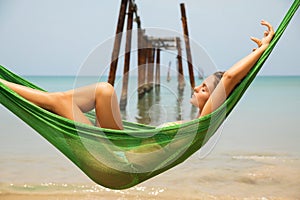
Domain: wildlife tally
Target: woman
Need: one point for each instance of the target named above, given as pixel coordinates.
(101, 96)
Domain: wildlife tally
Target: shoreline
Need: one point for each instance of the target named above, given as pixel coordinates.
(177, 195)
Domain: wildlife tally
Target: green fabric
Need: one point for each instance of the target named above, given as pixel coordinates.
(121, 159)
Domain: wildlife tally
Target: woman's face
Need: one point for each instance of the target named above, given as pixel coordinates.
(202, 92)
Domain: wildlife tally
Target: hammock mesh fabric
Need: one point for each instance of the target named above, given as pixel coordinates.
(120, 159)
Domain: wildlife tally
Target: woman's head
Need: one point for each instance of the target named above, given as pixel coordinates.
(204, 90)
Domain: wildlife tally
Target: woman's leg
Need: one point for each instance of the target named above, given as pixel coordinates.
(58, 102)
(107, 107)
(103, 98)
(72, 104)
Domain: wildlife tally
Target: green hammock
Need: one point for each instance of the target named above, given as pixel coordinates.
(120, 159)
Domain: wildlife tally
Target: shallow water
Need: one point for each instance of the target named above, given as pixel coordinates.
(257, 155)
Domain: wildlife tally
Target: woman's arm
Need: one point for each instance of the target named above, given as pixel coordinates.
(237, 72)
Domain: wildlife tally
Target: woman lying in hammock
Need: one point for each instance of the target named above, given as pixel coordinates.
(101, 96)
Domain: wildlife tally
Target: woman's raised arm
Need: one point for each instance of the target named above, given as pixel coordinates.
(237, 72)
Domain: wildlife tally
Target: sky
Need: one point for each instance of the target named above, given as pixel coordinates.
(58, 37)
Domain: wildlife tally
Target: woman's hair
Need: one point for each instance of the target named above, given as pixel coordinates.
(218, 76)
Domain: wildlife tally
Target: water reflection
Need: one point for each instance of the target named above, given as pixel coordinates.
(143, 106)
(164, 103)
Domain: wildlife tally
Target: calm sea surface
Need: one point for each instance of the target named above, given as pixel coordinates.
(257, 154)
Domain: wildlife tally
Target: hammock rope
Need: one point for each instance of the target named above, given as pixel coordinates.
(119, 159)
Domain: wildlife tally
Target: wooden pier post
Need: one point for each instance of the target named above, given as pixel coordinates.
(157, 70)
(150, 66)
(141, 63)
(187, 45)
(117, 43)
(169, 72)
(123, 100)
(181, 82)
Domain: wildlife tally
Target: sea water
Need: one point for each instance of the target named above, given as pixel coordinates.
(256, 152)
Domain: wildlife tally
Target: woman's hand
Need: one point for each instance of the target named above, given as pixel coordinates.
(268, 36)
(237, 72)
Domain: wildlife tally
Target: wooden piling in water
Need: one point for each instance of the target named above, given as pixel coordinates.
(123, 99)
(181, 82)
(157, 68)
(169, 72)
(117, 42)
(150, 66)
(187, 45)
(141, 63)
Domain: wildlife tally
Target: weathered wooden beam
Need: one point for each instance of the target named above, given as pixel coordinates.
(181, 82)
(123, 99)
(166, 39)
(117, 43)
(150, 66)
(187, 45)
(157, 68)
(141, 63)
(163, 43)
